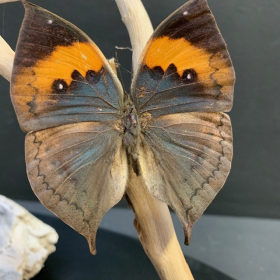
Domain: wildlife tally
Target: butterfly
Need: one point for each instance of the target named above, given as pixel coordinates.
(84, 131)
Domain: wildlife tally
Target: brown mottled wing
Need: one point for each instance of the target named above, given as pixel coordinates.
(185, 161)
(185, 66)
(78, 171)
(59, 75)
(66, 95)
(184, 81)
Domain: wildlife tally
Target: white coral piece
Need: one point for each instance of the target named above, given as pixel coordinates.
(25, 242)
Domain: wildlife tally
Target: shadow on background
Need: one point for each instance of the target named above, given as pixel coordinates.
(119, 257)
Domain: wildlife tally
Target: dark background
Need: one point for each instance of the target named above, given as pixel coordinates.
(251, 30)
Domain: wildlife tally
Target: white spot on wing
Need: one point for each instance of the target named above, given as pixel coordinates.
(189, 76)
(185, 13)
(50, 21)
(60, 86)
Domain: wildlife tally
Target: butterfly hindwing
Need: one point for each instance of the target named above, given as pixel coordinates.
(185, 160)
(185, 66)
(184, 81)
(78, 171)
(59, 75)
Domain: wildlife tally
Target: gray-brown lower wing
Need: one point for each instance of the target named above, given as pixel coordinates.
(78, 171)
(185, 160)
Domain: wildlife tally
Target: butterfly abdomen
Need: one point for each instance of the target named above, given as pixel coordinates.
(131, 138)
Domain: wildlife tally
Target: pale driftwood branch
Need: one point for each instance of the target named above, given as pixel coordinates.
(7, 1)
(153, 220)
(138, 25)
(156, 232)
(6, 59)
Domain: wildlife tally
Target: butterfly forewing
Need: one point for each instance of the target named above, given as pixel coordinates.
(185, 78)
(59, 75)
(185, 66)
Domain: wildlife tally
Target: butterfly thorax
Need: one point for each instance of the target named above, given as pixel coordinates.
(131, 128)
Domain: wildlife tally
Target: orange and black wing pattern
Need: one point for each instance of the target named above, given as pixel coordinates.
(59, 75)
(185, 66)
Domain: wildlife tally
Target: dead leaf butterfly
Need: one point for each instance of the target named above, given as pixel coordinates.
(84, 131)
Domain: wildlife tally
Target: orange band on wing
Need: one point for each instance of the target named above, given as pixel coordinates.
(164, 51)
(60, 65)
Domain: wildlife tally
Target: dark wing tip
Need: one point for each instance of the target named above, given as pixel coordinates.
(188, 234)
(28, 5)
(91, 242)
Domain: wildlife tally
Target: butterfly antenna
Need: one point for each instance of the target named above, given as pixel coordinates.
(130, 72)
(126, 70)
(131, 75)
(120, 72)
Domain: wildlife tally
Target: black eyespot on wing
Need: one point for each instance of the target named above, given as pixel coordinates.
(156, 73)
(172, 71)
(92, 77)
(59, 86)
(189, 76)
(77, 76)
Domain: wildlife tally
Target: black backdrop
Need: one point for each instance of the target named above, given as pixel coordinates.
(251, 30)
